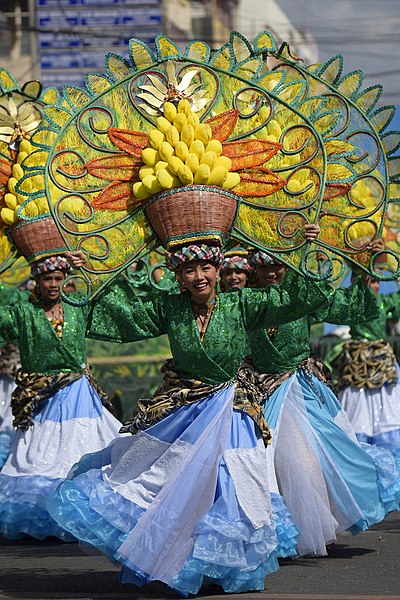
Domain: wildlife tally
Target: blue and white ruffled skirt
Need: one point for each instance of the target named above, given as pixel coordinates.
(329, 481)
(70, 424)
(185, 502)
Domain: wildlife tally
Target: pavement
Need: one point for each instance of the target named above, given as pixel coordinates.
(364, 567)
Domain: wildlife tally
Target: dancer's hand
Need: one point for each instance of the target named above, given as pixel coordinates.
(311, 231)
(77, 258)
(376, 245)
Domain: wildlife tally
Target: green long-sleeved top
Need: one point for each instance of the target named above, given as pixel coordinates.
(40, 348)
(11, 295)
(291, 345)
(120, 316)
(375, 329)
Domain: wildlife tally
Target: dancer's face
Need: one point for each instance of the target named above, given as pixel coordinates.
(199, 278)
(234, 279)
(270, 273)
(50, 285)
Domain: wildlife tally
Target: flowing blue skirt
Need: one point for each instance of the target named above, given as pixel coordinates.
(69, 424)
(329, 481)
(6, 428)
(186, 502)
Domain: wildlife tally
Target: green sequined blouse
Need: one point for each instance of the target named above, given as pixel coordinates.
(40, 348)
(121, 316)
(291, 344)
(389, 308)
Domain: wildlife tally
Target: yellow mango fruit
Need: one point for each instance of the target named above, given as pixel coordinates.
(9, 216)
(185, 175)
(162, 164)
(180, 121)
(214, 146)
(170, 111)
(193, 120)
(156, 138)
(187, 135)
(197, 147)
(231, 181)
(202, 174)
(144, 171)
(25, 146)
(182, 150)
(43, 206)
(140, 191)
(166, 150)
(12, 182)
(11, 201)
(151, 184)
(192, 162)
(217, 176)
(203, 132)
(166, 179)
(172, 136)
(150, 156)
(209, 158)
(30, 210)
(224, 161)
(184, 107)
(174, 164)
(163, 124)
(17, 171)
(21, 157)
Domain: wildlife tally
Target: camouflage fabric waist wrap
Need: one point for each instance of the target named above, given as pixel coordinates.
(176, 391)
(34, 388)
(367, 364)
(267, 383)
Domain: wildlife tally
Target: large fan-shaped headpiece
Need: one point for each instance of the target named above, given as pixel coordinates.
(294, 144)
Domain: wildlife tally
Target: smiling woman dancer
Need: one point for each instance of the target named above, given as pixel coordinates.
(57, 408)
(186, 501)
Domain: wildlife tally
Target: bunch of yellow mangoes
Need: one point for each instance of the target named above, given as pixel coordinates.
(182, 152)
(13, 199)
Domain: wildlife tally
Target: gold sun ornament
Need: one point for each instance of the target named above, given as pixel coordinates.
(294, 144)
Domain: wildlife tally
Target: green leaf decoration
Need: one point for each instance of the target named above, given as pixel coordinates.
(249, 68)
(140, 55)
(76, 97)
(382, 117)
(292, 93)
(331, 70)
(273, 80)
(198, 51)
(241, 48)
(7, 82)
(311, 107)
(391, 142)
(368, 98)
(326, 122)
(223, 59)
(118, 68)
(97, 83)
(351, 83)
(394, 169)
(264, 42)
(166, 48)
(57, 116)
(32, 88)
(51, 95)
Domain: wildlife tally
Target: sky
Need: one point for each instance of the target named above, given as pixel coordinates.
(365, 32)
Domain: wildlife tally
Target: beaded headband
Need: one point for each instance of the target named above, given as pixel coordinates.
(49, 264)
(175, 260)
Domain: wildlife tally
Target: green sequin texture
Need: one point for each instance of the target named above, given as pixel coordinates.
(389, 308)
(121, 316)
(40, 348)
(291, 344)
